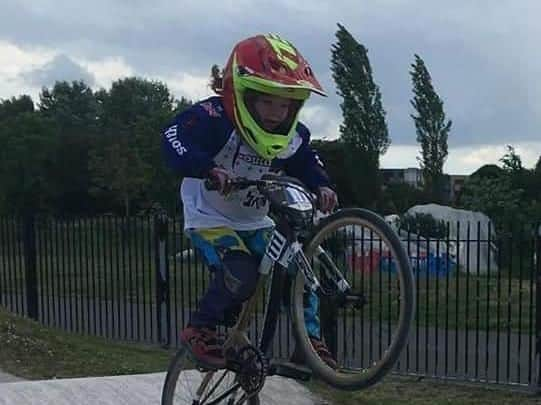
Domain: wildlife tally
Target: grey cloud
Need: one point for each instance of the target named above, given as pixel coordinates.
(482, 56)
(60, 68)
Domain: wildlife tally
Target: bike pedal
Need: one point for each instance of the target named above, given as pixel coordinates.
(290, 370)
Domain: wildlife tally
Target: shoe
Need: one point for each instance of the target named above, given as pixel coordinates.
(204, 346)
(321, 350)
(324, 353)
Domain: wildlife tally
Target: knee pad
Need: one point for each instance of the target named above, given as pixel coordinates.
(239, 274)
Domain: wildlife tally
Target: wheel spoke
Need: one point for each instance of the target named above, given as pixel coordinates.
(366, 324)
(211, 391)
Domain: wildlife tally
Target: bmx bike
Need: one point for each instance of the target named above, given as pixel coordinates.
(358, 267)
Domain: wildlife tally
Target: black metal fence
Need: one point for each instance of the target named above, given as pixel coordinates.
(478, 313)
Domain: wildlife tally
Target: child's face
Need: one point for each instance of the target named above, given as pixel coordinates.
(272, 110)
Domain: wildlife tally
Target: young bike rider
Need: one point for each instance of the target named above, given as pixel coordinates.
(249, 130)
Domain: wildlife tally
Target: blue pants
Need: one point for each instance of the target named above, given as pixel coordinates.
(234, 258)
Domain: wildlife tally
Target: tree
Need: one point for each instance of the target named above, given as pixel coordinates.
(131, 99)
(134, 111)
(15, 106)
(364, 130)
(537, 168)
(424, 225)
(87, 152)
(27, 155)
(75, 110)
(432, 129)
(399, 197)
(489, 171)
(521, 178)
(119, 171)
(537, 179)
(73, 106)
(512, 162)
(494, 197)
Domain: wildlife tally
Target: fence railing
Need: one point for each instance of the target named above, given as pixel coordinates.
(478, 314)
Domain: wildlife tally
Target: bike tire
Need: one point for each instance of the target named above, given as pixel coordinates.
(182, 363)
(362, 378)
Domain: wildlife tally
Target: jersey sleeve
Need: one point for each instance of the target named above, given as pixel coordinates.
(190, 142)
(305, 164)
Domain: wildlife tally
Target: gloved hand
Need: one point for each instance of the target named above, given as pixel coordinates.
(220, 179)
(327, 199)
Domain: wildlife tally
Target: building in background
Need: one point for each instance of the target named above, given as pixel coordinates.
(456, 183)
(414, 177)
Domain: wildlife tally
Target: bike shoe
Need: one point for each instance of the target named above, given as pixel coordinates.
(204, 346)
(321, 350)
(324, 353)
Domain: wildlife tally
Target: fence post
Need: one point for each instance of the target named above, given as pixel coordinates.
(329, 325)
(29, 248)
(538, 312)
(163, 310)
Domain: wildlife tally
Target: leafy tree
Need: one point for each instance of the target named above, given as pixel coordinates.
(521, 178)
(73, 106)
(118, 170)
(84, 151)
(134, 111)
(432, 129)
(15, 106)
(27, 154)
(75, 110)
(537, 180)
(494, 197)
(364, 130)
(399, 197)
(424, 225)
(508, 195)
(511, 160)
(490, 171)
(132, 99)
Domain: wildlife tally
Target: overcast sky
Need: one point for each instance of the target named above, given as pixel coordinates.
(483, 56)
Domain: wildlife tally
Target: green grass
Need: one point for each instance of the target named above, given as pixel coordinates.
(458, 302)
(102, 258)
(32, 351)
(408, 390)
(477, 302)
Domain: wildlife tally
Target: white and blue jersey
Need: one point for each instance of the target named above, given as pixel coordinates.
(203, 137)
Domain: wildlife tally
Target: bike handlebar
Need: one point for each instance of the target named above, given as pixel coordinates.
(238, 183)
(241, 183)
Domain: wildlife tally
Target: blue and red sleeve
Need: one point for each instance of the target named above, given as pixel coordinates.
(193, 138)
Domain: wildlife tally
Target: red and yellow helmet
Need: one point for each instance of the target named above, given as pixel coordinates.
(270, 65)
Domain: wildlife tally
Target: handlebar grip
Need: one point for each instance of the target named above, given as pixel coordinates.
(212, 184)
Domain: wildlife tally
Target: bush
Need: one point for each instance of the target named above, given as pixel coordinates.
(424, 225)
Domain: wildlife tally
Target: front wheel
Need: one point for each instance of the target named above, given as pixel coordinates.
(367, 327)
(186, 384)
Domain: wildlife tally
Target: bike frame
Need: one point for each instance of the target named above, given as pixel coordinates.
(281, 252)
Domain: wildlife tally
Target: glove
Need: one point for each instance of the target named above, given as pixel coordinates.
(327, 199)
(220, 179)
